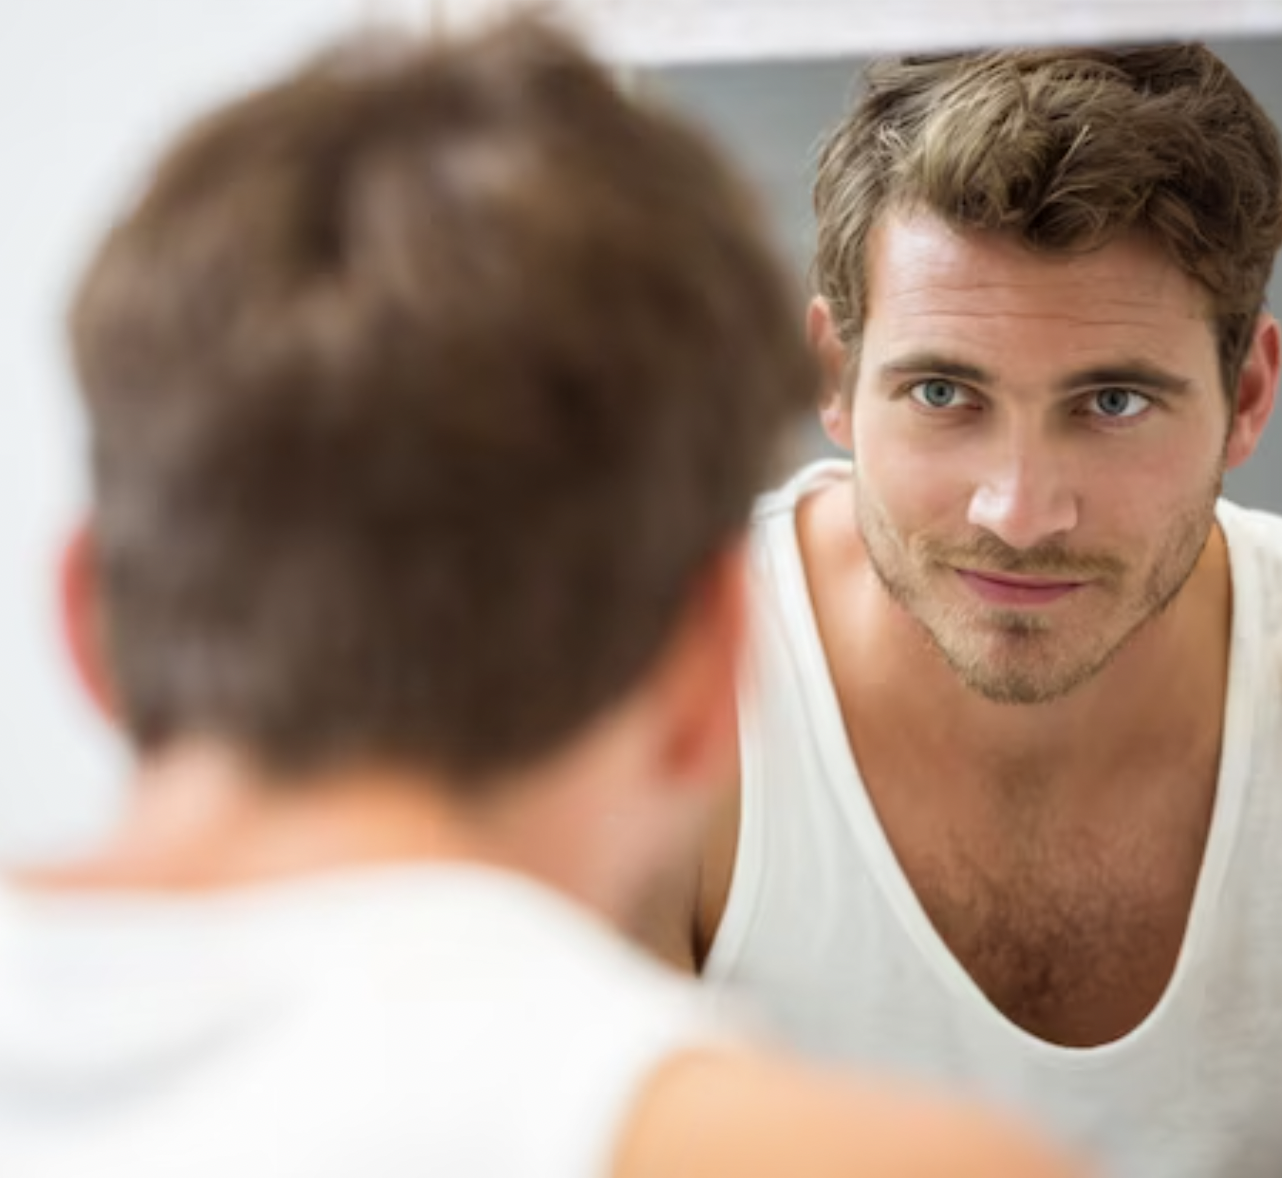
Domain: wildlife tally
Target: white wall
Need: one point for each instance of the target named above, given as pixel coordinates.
(88, 88)
(664, 32)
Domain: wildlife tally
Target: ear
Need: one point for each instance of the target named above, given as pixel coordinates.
(699, 676)
(81, 620)
(835, 403)
(1256, 390)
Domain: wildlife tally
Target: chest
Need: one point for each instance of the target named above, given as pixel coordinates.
(1071, 931)
(1077, 954)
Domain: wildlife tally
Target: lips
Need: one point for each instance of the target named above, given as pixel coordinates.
(1009, 590)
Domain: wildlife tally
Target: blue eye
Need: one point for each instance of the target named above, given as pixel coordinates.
(938, 394)
(1119, 403)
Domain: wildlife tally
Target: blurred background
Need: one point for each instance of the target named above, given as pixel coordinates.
(89, 90)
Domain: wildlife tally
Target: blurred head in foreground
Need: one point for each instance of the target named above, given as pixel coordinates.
(428, 391)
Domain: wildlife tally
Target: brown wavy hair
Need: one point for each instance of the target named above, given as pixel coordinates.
(1065, 148)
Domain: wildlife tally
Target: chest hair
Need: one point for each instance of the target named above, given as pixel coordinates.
(1071, 932)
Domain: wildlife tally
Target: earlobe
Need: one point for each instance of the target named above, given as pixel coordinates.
(822, 333)
(81, 619)
(1256, 391)
(834, 416)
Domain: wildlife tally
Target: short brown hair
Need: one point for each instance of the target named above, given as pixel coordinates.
(423, 385)
(1065, 148)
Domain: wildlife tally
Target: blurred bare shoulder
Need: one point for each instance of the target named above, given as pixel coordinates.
(705, 1116)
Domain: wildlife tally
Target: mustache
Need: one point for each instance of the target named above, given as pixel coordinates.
(1051, 560)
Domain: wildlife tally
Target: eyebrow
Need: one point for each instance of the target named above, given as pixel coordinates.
(1128, 373)
(920, 363)
(1135, 373)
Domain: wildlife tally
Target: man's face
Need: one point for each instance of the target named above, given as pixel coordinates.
(1039, 443)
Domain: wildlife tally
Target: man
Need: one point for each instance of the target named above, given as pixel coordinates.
(428, 390)
(1011, 740)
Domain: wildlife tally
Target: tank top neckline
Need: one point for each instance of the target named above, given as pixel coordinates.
(840, 764)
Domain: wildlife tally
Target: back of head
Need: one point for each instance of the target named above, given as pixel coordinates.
(1066, 149)
(422, 386)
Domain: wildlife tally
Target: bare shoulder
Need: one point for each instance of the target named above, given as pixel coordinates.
(708, 1115)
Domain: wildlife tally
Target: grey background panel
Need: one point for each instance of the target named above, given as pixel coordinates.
(771, 116)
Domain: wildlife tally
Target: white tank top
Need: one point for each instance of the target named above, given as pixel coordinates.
(450, 1022)
(825, 935)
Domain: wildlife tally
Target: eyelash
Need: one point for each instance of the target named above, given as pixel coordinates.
(1114, 421)
(1144, 397)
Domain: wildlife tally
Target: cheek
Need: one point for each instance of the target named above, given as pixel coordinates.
(1146, 491)
(914, 486)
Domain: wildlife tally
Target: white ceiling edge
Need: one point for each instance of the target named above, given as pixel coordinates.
(678, 32)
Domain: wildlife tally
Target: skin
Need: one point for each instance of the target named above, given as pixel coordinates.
(1023, 586)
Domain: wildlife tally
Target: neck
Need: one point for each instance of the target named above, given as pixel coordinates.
(201, 818)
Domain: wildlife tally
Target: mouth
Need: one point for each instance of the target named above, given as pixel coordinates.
(1008, 589)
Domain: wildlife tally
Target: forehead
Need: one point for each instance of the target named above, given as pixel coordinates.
(932, 285)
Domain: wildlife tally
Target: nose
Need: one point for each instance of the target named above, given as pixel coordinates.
(1025, 497)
